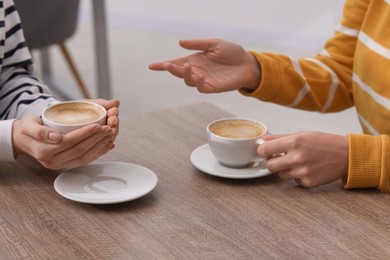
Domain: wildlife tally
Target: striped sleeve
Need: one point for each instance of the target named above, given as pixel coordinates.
(21, 93)
(322, 83)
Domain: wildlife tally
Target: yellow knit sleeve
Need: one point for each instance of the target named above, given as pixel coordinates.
(271, 80)
(321, 83)
(384, 184)
(369, 164)
(314, 84)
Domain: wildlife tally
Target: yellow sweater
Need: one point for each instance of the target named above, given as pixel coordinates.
(353, 69)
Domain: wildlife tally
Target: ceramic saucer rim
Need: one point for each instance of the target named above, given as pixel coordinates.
(216, 169)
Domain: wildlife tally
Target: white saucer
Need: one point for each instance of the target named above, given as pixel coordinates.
(105, 183)
(204, 160)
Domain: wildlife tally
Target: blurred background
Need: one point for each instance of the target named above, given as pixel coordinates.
(142, 31)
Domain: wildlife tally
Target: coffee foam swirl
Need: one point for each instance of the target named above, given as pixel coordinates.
(237, 129)
(74, 113)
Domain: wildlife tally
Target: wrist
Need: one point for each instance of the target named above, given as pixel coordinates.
(15, 138)
(254, 70)
(6, 133)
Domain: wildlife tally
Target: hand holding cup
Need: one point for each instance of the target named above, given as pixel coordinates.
(71, 115)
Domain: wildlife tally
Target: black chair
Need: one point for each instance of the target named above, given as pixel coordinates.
(47, 23)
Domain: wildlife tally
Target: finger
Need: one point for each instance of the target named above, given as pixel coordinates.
(203, 86)
(107, 104)
(90, 155)
(308, 182)
(279, 164)
(192, 79)
(300, 182)
(113, 112)
(113, 122)
(286, 175)
(165, 65)
(187, 75)
(276, 145)
(115, 130)
(199, 44)
(273, 136)
(159, 66)
(79, 149)
(41, 133)
(175, 70)
(73, 138)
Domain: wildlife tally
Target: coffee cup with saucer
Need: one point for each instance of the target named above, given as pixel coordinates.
(231, 150)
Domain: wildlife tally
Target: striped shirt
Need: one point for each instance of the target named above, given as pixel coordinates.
(21, 93)
(352, 70)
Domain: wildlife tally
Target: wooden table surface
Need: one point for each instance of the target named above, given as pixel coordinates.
(189, 215)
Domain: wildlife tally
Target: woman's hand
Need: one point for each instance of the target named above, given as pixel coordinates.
(219, 66)
(112, 107)
(55, 150)
(310, 158)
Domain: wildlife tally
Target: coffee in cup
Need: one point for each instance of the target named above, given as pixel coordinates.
(234, 141)
(71, 115)
(237, 128)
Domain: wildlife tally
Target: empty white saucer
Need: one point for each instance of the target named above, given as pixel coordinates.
(204, 160)
(105, 183)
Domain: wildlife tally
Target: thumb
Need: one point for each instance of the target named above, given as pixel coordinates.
(270, 137)
(199, 44)
(41, 133)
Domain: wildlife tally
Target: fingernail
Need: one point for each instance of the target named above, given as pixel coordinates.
(115, 121)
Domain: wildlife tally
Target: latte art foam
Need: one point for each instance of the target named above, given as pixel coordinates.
(74, 113)
(237, 129)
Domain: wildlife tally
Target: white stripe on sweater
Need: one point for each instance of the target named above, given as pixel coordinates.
(333, 87)
(305, 89)
(347, 31)
(369, 127)
(381, 100)
(374, 46)
(325, 53)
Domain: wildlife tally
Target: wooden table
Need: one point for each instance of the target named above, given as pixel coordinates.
(189, 215)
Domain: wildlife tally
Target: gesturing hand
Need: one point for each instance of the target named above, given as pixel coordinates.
(311, 158)
(219, 66)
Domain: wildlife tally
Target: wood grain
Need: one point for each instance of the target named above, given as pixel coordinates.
(190, 215)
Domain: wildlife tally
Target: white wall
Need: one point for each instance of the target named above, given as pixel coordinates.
(299, 25)
(143, 31)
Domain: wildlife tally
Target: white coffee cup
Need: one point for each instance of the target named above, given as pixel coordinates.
(234, 141)
(70, 115)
